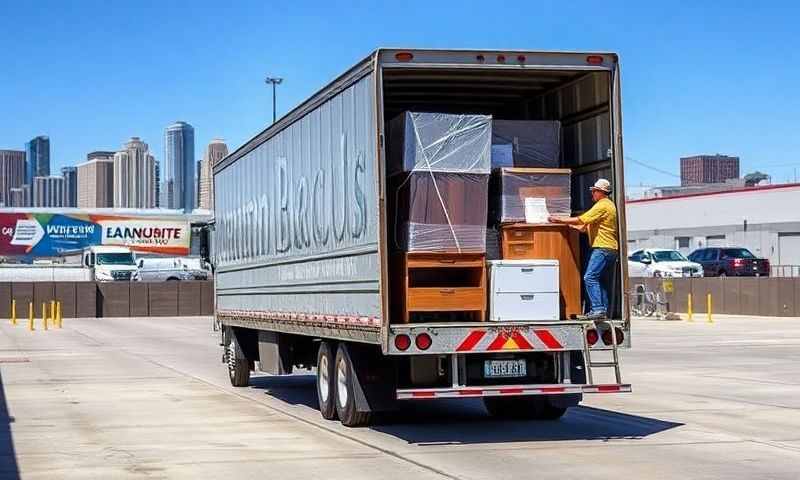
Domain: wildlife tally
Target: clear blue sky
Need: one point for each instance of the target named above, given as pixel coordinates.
(696, 79)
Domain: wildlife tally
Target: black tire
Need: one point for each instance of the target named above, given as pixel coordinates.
(326, 379)
(345, 399)
(238, 365)
(523, 408)
(173, 279)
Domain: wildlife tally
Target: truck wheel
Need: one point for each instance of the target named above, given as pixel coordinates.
(238, 365)
(345, 393)
(326, 379)
(532, 407)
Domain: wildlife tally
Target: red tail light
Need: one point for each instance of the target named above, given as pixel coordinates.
(737, 262)
(592, 337)
(607, 336)
(594, 60)
(402, 342)
(404, 56)
(423, 341)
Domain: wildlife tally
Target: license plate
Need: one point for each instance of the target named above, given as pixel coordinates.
(504, 368)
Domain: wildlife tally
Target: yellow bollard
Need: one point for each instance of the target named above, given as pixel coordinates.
(53, 313)
(13, 311)
(58, 315)
(30, 316)
(44, 315)
(689, 308)
(710, 320)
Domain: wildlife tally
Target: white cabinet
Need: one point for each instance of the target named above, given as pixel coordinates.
(522, 290)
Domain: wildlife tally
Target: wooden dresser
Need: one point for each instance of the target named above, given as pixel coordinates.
(522, 241)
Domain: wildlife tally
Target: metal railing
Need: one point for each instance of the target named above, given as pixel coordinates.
(790, 271)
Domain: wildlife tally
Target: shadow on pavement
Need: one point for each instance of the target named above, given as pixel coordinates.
(298, 389)
(8, 457)
(438, 422)
(466, 421)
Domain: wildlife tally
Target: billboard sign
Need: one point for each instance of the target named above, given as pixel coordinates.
(52, 235)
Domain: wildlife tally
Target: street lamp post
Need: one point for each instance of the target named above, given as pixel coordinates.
(274, 81)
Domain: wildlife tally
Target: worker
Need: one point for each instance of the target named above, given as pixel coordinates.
(600, 222)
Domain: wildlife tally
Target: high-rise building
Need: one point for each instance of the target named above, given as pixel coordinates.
(700, 169)
(48, 191)
(38, 156)
(96, 182)
(20, 196)
(12, 173)
(134, 176)
(70, 175)
(216, 151)
(197, 168)
(177, 170)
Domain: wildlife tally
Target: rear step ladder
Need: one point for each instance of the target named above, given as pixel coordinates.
(614, 352)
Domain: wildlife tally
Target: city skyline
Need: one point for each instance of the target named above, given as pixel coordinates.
(126, 178)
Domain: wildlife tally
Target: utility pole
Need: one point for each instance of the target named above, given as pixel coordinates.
(275, 81)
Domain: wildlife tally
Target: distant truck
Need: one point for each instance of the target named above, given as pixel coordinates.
(110, 263)
(155, 269)
(301, 245)
(98, 263)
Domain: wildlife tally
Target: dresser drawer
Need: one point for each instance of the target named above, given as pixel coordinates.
(509, 307)
(529, 276)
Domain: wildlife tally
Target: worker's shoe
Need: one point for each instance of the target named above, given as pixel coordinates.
(593, 316)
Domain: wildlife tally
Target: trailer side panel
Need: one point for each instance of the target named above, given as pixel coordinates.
(296, 237)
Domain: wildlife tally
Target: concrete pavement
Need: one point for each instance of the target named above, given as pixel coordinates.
(149, 398)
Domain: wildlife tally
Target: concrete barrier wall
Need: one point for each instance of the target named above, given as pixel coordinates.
(110, 299)
(767, 297)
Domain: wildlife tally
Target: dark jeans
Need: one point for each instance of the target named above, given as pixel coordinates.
(599, 261)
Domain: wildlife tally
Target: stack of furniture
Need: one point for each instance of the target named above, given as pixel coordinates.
(533, 174)
(438, 183)
(523, 241)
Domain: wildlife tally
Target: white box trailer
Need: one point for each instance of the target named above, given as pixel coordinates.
(301, 253)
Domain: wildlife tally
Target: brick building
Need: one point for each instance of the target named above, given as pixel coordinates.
(700, 169)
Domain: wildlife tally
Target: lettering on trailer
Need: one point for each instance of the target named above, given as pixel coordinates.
(290, 216)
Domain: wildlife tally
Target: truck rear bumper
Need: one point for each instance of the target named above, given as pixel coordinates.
(493, 337)
(508, 390)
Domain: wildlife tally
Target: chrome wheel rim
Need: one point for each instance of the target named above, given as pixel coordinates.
(341, 382)
(324, 381)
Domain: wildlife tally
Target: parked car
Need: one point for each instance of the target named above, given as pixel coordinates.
(659, 262)
(730, 261)
(155, 269)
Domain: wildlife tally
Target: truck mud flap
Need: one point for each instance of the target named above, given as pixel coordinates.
(374, 384)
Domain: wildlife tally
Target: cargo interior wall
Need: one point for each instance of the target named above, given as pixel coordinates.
(580, 100)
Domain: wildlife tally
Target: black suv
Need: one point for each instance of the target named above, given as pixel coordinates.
(733, 261)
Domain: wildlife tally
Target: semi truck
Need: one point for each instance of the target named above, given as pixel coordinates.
(301, 241)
